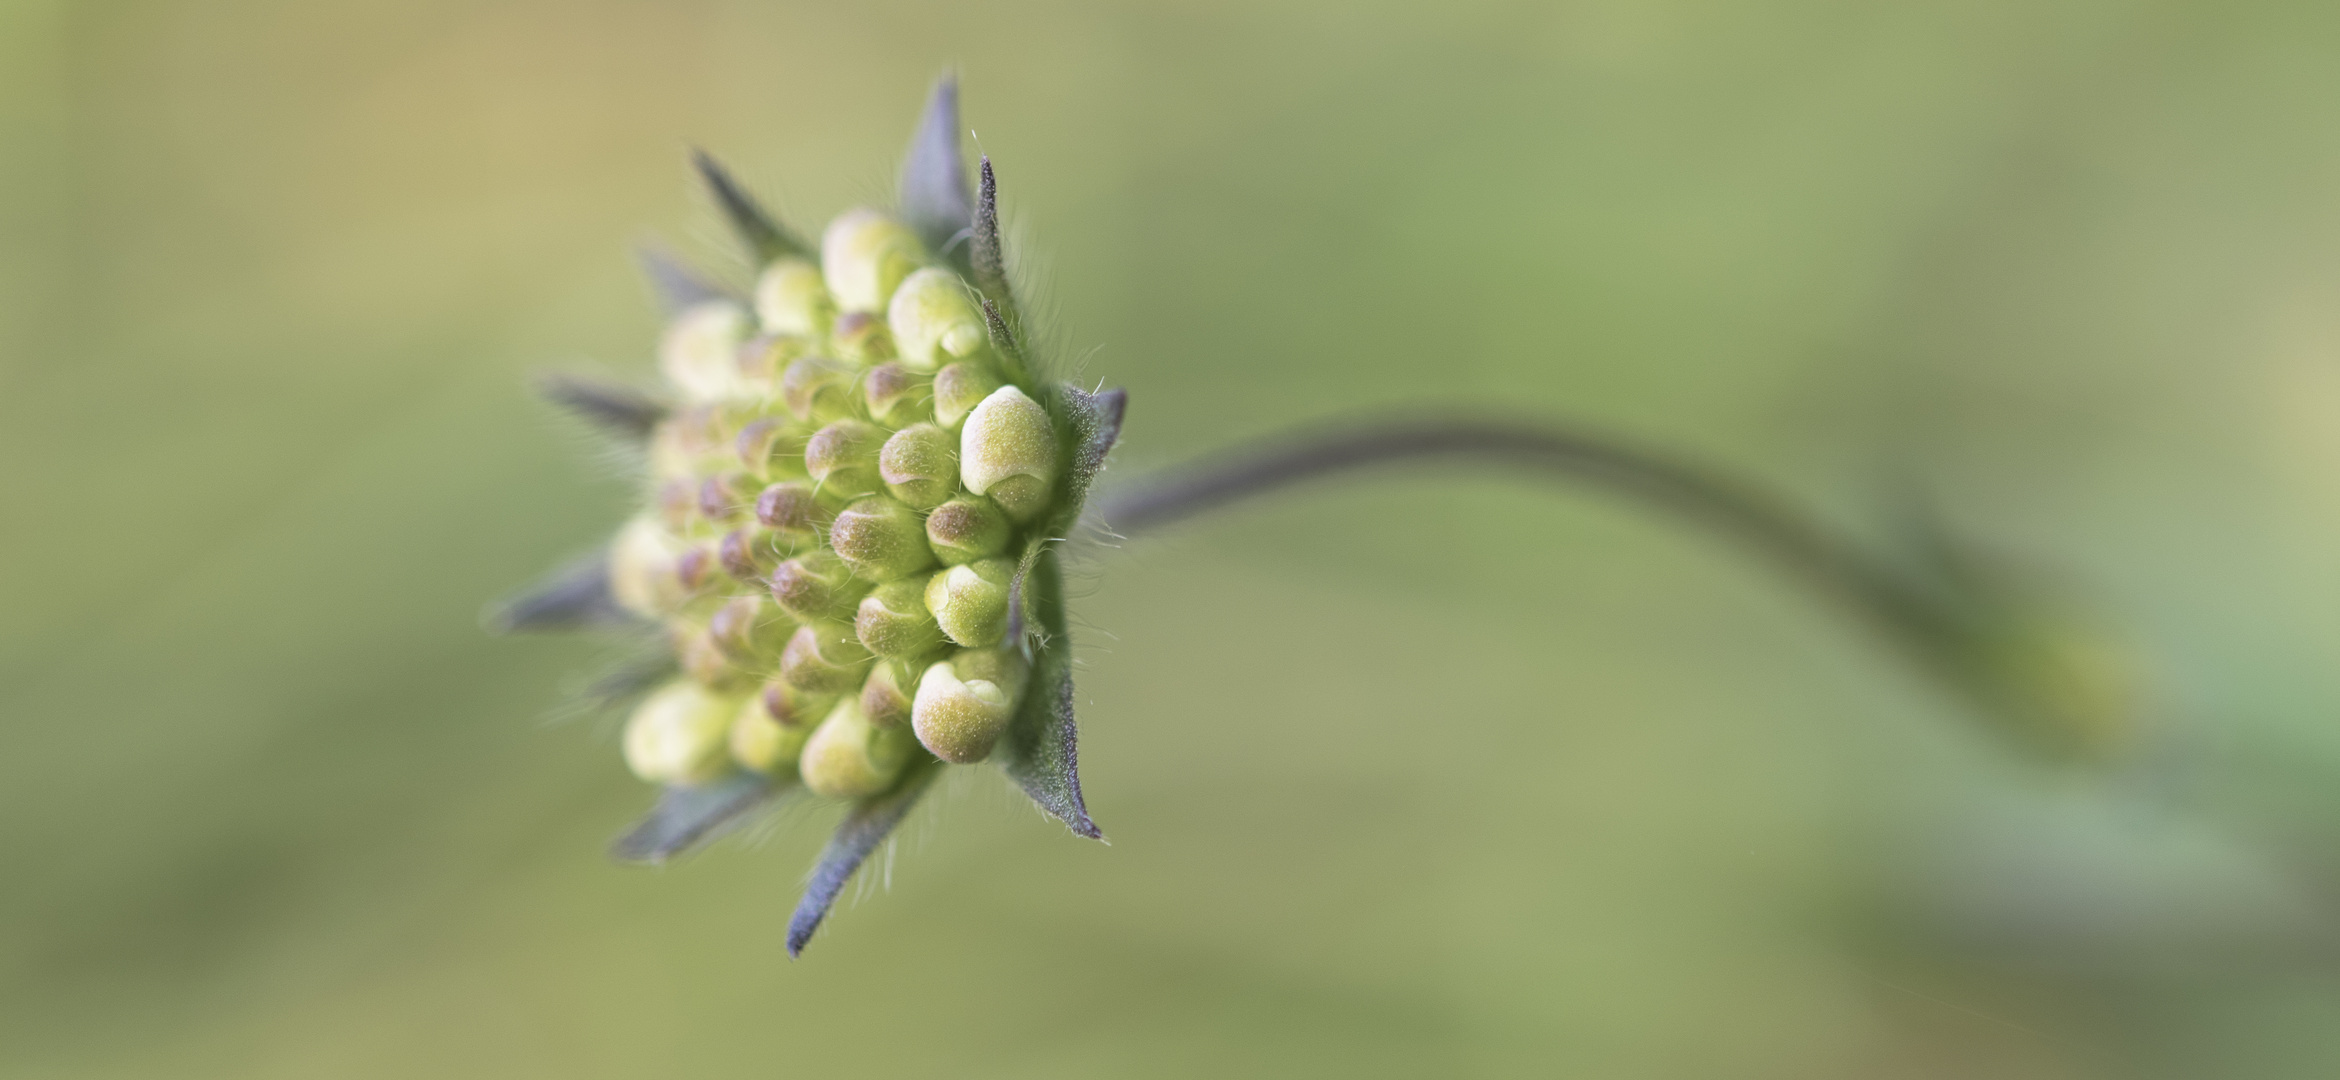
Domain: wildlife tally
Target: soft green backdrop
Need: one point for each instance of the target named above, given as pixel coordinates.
(1406, 777)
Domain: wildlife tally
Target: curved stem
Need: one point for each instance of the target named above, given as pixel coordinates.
(1774, 529)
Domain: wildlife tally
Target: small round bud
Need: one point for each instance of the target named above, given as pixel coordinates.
(896, 396)
(959, 387)
(675, 500)
(725, 498)
(967, 528)
(750, 630)
(860, 338)
(701, 658)
(791, 298)
(818, 389)
(642, 574)
(893, 620)
(1008, 451)
(795, 510)
(678, 734)
(817, 585)
(824, 658)
(764, 360)
(934, 320)
(864, 255)
(772, 448)
(920, 465)
(750, 553)
(960, 719)
(700, 350)
(881, 539)
(883, 700)
(791, 707)
(970, 601)
(843, 457)
(763, 743)
(850, 758)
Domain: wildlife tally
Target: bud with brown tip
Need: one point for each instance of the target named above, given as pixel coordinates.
(843, 458)
(817, 585)
(850, 758)
(896, 396)
(881, 539)
(818, 389)
(920, 465)
(967, 528)
(825, 658)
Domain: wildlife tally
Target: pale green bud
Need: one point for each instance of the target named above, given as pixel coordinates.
(959, 713)
(881, 539)
(701, 658)
(700, 351)
(920, 465)
(843, 457)
(817, 585)
(725, 498)
(861, 338)
(883, 700)
(763, 743)
(679, 734)
(893, 620)
(751, 552)
(850, 758)
(959, 387)
(896, 396)
(792, 299)
(934, 319)
(864, 255)
(750, 630)
(818, 388)
(967, 528)
(772, 448)
(764, 360)
(791, 707)
(642, 570)
(793, 509)
(1008, 451)
(825, 658)
(970, 601)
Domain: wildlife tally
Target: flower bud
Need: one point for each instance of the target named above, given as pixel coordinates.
(678, 734)
(864, 255)
(959, 719)
(860, 338)
(850, 758)
(893, 620)
(920, 465)
(751, 552)
(1008, 451)
(642, 574)
(791, 298)
(701, 658)
(817, 585)
(967, 528)
(959, 387)
(700, 350)
(843, 457)
(750, 630)
(970, 601)
(763, 743)
(724, 498)
(896, 396)
(818, 388)
(771, 448)
(824, 658)
(676, 502)
(795, 510)
(934, 320)
(883, 700)
(764, 360)
(881, 539)
(791, 707)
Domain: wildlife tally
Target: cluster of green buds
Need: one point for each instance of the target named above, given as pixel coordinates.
(854, 482)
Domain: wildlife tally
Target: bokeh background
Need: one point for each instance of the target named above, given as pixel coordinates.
(1410, 776)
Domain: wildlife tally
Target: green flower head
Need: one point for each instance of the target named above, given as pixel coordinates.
(855, 480)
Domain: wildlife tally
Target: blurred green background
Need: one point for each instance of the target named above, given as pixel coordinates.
(1524, 785)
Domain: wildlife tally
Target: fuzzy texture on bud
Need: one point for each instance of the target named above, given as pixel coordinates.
(850, 758)
(883, 700)
(959, 719)
(825, 658)
(881, 539)
(762, 743)
(818, 389)
(678, 734)
(920, 465)
(843, 458)
(1008, 451)
(700, 351)
(794, 509)
(934, 320)
(895, 395)
(970, 602)
(967, 528)
(893, 620)
(792, 299)
(817, 585)
(864, 255)
(750, 630)
(959, 387)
